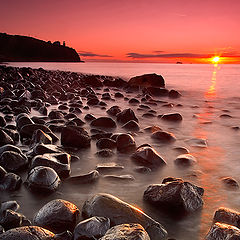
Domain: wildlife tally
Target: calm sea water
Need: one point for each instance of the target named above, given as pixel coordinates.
(208, 92)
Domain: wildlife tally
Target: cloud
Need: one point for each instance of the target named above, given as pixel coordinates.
(166, 55)
(91, 54)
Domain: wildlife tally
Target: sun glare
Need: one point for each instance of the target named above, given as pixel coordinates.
(215, 59)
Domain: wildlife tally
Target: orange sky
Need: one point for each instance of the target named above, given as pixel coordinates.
(132, 30)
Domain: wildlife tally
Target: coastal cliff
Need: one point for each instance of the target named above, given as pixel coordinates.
(16, 48)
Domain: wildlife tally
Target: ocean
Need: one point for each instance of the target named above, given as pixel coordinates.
(210, 106)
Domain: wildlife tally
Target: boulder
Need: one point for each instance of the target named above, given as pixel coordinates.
(148, 156)
(176, 194)
(90, 177)
(114, 110)
(40, 137)
(174, 117)
(126, 232)
(185, 160)
(9, 181)
(125, 143)
(103, 122)
(75, 137)
(221, 231)
(119, 212)
(174, 94)
(57, 215)
(147, 80)
(126, 115)
(5, 138)
(163, 136)
(131, 126)
(156, 91)
(103, 143)
(91, 228)
(43, 179)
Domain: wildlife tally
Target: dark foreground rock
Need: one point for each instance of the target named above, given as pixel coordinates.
(57, 216)
(119, 212)
(126, 232)
(175, 193)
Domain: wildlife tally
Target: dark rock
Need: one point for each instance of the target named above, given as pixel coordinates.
(185, 160)
(89, 117)
(152, 129)
(174, 94)
(142, 169)
(57, 216)
(126, 232)
(93, 101)
(75, 137)
(9, 181)
(133, 101)
(40, 137)
(125, 143)
(41, 149)
(175, 194)
(103, 122)
(28, 233)
(13, 161)
(60, 162)
(221, 231)
(148, 156)
(125, 177)
(28, 130)
(147, 80)
(114, 110)
(13, 205)
(118, 95)
(106, 153)
(156, 91)
(2, 122)
(163, 136)
(109, 167)
(126, 115)
(131, 126)
(85, 178)
(119, 212)
(230, 183)
(43, 179)
(103, 143)
(9, 147)
(54, 114)
(91, 228)
(181, 150)
(175, 117)
(5, 138)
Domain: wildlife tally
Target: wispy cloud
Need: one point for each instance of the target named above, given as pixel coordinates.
(166, 55)
(91, 54)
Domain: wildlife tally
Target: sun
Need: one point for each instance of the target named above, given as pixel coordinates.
(215, 59)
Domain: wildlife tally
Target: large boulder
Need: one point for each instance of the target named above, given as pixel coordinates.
(175, 193)
(57, 216)
(120, 212)
(103, 122)
(91, 228)
(147, 80)
(126, 232)
(148, 156)
(125, 143)
(221, 231)
(75, 137)
(126, 115)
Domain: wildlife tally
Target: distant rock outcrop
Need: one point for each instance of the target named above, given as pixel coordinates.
(15, 48)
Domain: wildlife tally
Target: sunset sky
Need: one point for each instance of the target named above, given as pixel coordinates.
(132, 30)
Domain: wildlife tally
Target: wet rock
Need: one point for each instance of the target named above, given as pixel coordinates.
(85, 178)
(13, 161)
(230, 183)
(175, 194)
(131, 126)
(152, 129)
(57, 216)
(125, 143)
(55, 114)
(119, 212)
(103, 122)
(114, 110)
(185, 160)
(174, 94)
(175, 117)
(227, 216)
(1, 230)
(197, 142)
(28, 130)
(28, 233)
(148, 156)
(118, 95)
(156, 91)
(147, 80)
(60, 162)
(106, 96)
(89, 117)
(149, 115)
(133, 101)
(75, 137)
(163, 136)
(108, 167)
(2, 122)
(99, 135)
(5, 138)
(91, 228)
(9, 181)
(43, 179)
(181, 150)
(106, 153)
(22, 120)
(126, 115)
(9, 147)
(41, 149)
(103, 143)
(126, 177)
(142, 169)
(221, 231)
(13, 205)
(226, 116)
(126, 232)
(40, 137)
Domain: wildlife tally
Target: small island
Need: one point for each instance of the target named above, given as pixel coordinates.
(16, 48)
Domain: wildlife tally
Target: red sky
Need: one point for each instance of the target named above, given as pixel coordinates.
(131, 30)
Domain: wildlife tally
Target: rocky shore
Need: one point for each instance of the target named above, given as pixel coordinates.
(44, 129)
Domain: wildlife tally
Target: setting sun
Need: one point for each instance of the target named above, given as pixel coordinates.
(215, 59)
